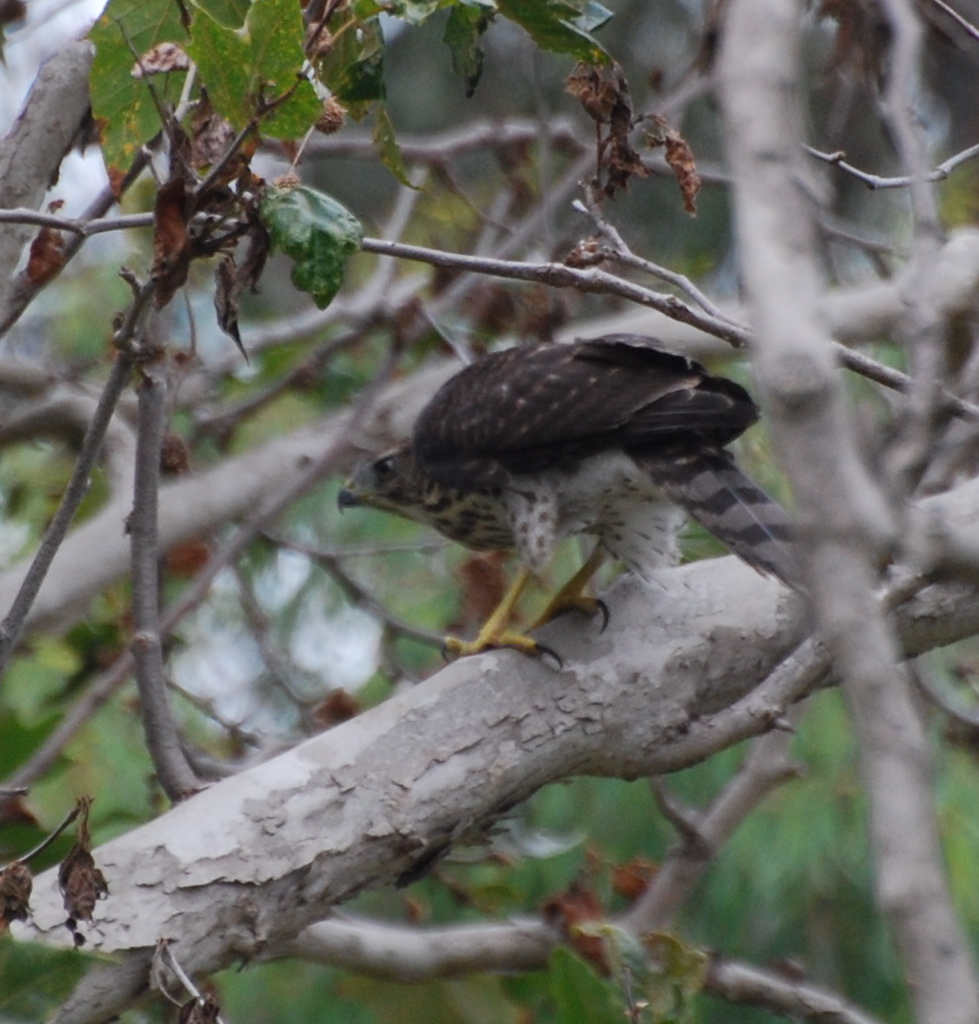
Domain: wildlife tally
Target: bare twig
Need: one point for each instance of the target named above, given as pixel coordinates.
(330, 563)
(417, 954)
(77, 487)
(49, 839)
(162, 739)
(766, 767)
(280, 667)
(558, 275)
(965, 25)
(875, 181)
(744, 983)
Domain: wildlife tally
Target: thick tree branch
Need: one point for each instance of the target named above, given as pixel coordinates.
(847, 521)
(32, 152)
(410, 953)
(369, 801)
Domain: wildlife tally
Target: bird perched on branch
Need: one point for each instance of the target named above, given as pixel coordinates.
(611, 437)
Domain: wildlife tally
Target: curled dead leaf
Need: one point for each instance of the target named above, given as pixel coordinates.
(199, 1010)
(47, 256)
(680, 158)
(159, 59)
(16, 882)
(82, 884)
(570, 910)
(174, 455)
(338, 707)
(604, 93)
(171, 240)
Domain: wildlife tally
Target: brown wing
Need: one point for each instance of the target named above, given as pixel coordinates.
(539, 406)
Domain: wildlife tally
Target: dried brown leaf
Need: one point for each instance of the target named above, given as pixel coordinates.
(199, 1010)
(570, 909)
(594, 89)
(587, 253)
(47, 256)
(231, 280)
(172, 247)
(210, 137)
(186, 560)
(338, 707)
(604, 94)
(16, 882)
(174, 455)
(161, 58)
(679, 157)
(82, 884)
(632, 878)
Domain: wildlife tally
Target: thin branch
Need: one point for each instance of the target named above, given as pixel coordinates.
(876, 181)
(417, 954)
(49, 839)
(851, 518)
(965, 25)
(804, 670)
(744, 983)
(357, 594)
(24, 291)
(279, 666)
(622, 253)
(76, 490)
(559, 275)
(162, 738)
(765, 768)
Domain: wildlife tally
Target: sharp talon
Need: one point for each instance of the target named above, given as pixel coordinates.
(602, 608)
(544, 652)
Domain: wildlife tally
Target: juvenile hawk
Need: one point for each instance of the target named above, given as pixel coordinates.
(534, 444)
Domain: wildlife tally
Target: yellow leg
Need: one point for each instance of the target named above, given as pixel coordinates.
(571, 597)
(494, 632)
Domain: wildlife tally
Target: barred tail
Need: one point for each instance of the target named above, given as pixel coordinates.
(732, 507)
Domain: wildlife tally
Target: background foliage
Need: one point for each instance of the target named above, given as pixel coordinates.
(444, 123)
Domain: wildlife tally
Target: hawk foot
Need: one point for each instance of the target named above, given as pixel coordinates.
(563, 603)
(453, 647)
(572, 596)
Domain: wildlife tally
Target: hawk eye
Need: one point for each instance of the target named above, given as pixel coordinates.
(384, 468)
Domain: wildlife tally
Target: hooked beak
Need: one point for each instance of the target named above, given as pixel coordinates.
(347, 499)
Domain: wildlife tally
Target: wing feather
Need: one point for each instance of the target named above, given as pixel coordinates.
(540, 406)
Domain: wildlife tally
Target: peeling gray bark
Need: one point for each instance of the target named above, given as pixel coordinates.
(254, 859)
(32, 152)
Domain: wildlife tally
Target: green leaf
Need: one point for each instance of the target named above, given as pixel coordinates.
(230, 13)
(675, 975)
(415, 12)
(222, 58)
(353, 71)
(387, 145)
(560, 26)
(247, 68)
(35, 980)
(463, 30)
(123, 106)
(32, 682)
(580, 995)
(316, 232)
